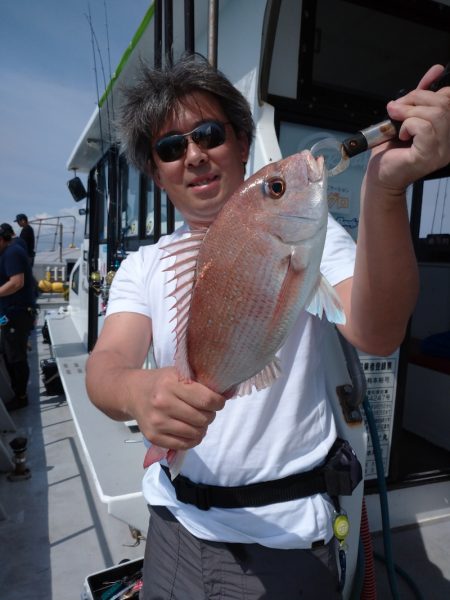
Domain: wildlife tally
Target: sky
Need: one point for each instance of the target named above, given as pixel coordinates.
(48, 93)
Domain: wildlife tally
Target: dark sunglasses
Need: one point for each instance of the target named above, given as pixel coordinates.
(207, 135)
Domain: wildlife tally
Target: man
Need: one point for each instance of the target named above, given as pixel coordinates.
(27, 234)
(17, 304)
(283, 549)
(14, 239)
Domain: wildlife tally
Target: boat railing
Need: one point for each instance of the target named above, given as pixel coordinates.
(41, 226)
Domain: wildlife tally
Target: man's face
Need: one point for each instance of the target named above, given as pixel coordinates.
(201, 181)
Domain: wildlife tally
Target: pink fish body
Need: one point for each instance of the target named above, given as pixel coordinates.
(242, 283)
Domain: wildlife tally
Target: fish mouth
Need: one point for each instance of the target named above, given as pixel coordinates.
(305, 238)
(298, 217)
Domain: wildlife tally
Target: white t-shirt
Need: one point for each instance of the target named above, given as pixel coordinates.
(285, 429)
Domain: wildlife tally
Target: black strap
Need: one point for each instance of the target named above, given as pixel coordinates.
(319, 480)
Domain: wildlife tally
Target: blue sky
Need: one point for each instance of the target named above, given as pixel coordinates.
(48, 93)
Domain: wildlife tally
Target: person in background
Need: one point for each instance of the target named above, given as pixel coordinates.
(22, 243)
(27, 234)
(18, 307)
(14, 239)
(191, 130)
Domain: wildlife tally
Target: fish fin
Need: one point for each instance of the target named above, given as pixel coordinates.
(326, 301)
(175, 460)
(185, 252)
(155, 454)
(261, 380)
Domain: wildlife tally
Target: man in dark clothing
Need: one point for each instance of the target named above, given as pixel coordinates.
(17, 305)
(27, 234)
(14, 239)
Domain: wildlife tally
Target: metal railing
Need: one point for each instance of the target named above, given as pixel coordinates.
(57, 235)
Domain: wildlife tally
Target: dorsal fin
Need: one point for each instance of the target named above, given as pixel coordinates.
(185, 252)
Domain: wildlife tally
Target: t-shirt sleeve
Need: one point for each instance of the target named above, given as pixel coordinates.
(17, 262)
(127, 292)
(338, 259)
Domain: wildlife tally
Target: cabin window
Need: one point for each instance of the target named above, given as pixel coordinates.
(150, 204)
(130, 201)
(102, 199)
(331, 69)
(164, 212)
(75, 280)
(435, 208)
(433, 228)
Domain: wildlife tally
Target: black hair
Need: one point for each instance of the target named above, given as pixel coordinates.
(158, 94)
(5, 233)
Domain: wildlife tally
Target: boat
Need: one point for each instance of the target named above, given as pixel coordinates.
(310, 70)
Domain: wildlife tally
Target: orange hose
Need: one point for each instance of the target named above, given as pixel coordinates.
(369, 590)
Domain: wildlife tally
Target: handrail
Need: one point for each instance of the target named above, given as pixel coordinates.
(58, 229)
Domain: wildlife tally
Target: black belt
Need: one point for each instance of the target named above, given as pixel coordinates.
(339, 475)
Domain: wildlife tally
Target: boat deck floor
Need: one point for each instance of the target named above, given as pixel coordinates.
(54, 531)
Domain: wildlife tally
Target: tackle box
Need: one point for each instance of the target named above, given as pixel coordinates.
(99, 586)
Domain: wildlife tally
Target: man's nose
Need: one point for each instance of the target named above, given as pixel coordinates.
(194, 153)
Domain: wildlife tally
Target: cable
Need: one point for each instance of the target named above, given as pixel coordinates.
(404, 575)
(387, 541)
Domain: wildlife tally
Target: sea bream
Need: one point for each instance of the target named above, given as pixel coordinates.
(241, 283)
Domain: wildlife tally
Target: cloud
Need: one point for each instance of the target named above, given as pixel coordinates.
(40, 122)
(48, 92)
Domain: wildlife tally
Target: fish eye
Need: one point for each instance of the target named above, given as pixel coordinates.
(275, 187)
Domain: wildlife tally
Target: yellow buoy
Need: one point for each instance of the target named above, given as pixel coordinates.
(45, 285)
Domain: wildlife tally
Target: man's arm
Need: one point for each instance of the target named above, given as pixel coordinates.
(170, 413)
(13, 285)
(380, 298)
(120, 350)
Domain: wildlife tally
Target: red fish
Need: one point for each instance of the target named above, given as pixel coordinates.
(241, 283)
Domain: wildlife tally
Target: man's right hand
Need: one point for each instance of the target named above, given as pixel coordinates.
(171, 413)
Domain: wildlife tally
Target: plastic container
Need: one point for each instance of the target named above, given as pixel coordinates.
(99, 586)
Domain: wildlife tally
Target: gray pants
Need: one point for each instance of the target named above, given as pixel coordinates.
(179, 566)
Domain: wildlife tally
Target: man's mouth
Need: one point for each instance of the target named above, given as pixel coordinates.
(203, 181)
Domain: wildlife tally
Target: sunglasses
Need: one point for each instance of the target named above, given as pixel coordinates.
(207, 135)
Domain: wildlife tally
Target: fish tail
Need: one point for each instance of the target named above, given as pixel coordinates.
(175, 458)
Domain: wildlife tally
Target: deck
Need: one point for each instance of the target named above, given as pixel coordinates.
(55, 530)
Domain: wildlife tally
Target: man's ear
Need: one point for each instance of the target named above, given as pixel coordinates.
(153, 173)
(243, 146)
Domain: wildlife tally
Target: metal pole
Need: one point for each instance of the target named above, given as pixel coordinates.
(189, 25)
(213, 32)
(60, 241)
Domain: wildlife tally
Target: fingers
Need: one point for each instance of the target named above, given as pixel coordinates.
(182, 406)
(420, 100)
(423, 112)
(425, 132)
(175, 414)
(431, 75)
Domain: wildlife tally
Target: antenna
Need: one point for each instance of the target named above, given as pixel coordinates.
(95, 39)
(109, 54)
(89, 20)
